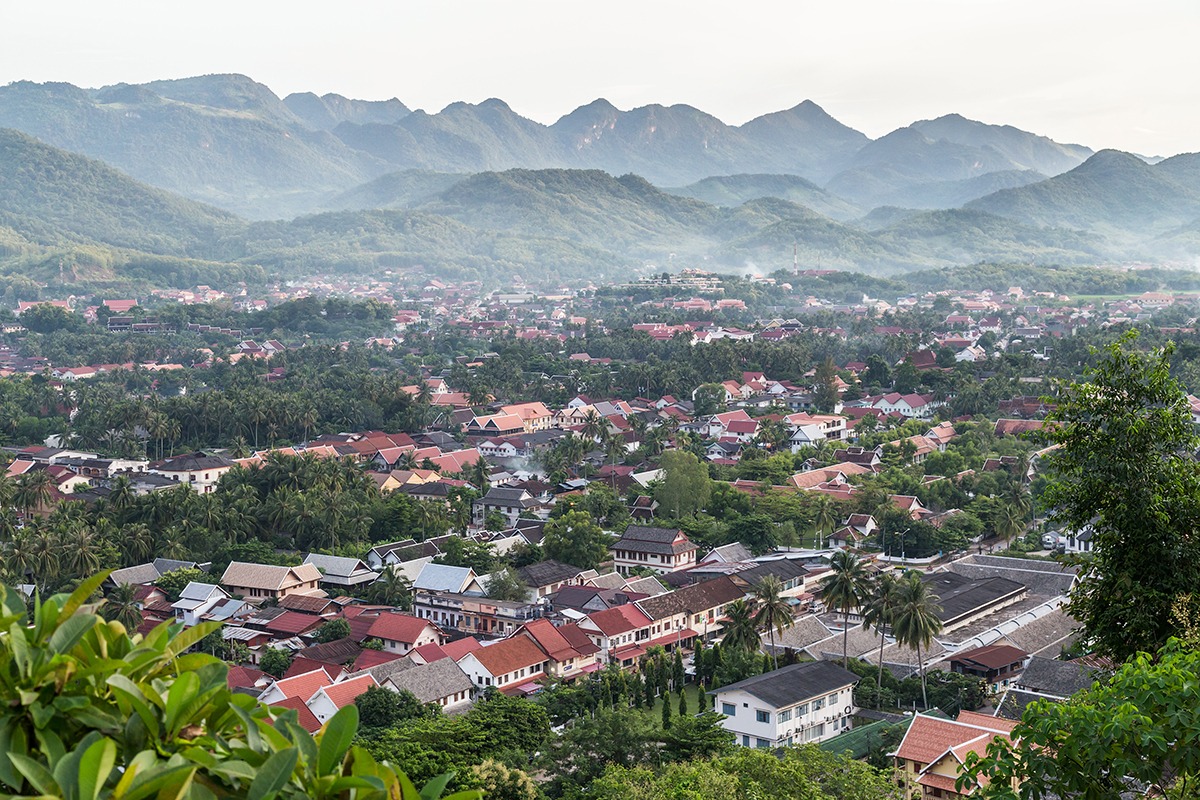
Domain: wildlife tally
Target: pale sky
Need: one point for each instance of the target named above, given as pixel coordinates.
(1096, 72)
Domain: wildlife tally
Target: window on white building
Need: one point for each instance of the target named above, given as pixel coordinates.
(762, 716)
(728, 709)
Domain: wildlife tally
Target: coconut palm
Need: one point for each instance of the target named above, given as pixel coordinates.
(390, 589)
(825, 516)
(34, 490)
(738, 629)
(594, 426)
(878, 613)
(915, 620)
(844, 590)
(774, 614)
(121, 605)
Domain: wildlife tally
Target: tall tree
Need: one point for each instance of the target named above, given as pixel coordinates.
(685, 487)
(738, 631)
(845, 589)
(878, 614)
(576, 539)
(915, 620)
(1124, 466)
(774, 614)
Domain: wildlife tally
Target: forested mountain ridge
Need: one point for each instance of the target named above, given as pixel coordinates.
(230, 141)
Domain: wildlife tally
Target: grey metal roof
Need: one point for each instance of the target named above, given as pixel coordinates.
(794, 684)
(692, 599)
(138, 575)
(1059, 678)
(442, 578)
(548, 572)
(961, 597)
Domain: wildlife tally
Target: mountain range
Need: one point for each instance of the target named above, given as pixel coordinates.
(218, 172)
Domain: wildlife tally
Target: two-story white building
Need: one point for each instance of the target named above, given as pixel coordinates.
(801, 703)
(661, 550)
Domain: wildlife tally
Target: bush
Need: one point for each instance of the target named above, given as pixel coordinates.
(88, 711)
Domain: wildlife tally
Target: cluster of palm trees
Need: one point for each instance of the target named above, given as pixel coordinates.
(767, 611)
(900, 605)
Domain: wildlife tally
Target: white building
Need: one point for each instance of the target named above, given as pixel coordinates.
(802, 703)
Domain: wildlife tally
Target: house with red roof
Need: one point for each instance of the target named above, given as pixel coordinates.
(305, 718)
(570, 651)
(401, 633)
(328, 700)
(301, 686)
(616, 627)
(930, 757)
(513, 666)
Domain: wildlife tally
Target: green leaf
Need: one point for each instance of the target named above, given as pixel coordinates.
(336, 739)
(95, 766)
(434, 788)
(274, 774)
(12, 740)
(180, 695)
(67, 635)
(84, 591)
(186, 638)
(35, 773)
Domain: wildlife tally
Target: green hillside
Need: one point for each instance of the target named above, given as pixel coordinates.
(733, 190)
(1112, 192)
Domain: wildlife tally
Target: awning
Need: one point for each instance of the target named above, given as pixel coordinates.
(593, 667)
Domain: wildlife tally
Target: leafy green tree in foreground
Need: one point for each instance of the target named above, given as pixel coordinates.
(1140, 727)
(86, 711)
(574, 538)
(1124, 465)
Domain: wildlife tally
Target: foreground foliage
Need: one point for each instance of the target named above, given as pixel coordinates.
(89, 712)
(1139, 728)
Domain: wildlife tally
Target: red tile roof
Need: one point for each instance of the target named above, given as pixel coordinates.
(509, 655)
(240, 677)
(343, 694)
(398, 627)
(303, 686)
(620, 619)
(293, 623)
(302, 666)
(307, 719)
(928, 738)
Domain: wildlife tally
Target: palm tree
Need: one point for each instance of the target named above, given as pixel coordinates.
(844, 590)
(122, 606)
(1007, 520)
(878, 613)
(915, 620)
(825, 517)
(738, 629)
(479, 475)
(773, 614)
(391, 589)
(594, 426)
(34, 490)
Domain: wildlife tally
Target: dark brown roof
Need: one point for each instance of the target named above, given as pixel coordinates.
(692, 599)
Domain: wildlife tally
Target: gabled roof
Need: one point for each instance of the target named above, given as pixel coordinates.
(343, 694)
(928, 738)
(547, 573)
(693, 599)
(661, 541)
(619, 619)
(396, 627)
(443, 578)
(306, 718)
(509, 655)
(794, 684)
(268, 576)
(431, 682)
(303, 686)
